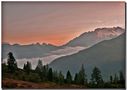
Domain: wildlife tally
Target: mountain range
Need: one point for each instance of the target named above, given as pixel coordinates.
(27, 51)
(86, 39)
(108, 56)
(92, 37)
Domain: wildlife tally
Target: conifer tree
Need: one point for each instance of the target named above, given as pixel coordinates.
(76, 79)
(45, 72)
(121, 77)
(55, 76)
(68, 77)
(115, 79)
(12, 64)
(39, 66)
(96, 77)
(24, 67)
(61, 78)
(111, 79)
(50, 74)
(82, 76)
(28, 67)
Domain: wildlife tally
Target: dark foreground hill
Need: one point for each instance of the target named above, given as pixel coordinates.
(108, 55)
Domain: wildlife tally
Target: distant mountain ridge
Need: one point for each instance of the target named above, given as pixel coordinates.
(27, 51)
(92, 37)
(108, 55)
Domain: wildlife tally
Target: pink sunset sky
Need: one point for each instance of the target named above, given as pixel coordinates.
(57, 22)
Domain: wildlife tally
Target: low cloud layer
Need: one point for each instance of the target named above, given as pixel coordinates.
(49, 57)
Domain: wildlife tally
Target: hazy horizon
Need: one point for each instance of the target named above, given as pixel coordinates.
(57, 23)
(34, 43)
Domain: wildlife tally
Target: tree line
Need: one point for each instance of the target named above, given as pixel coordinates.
(43, 73)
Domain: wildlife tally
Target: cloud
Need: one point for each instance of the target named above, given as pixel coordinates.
(49, 57)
